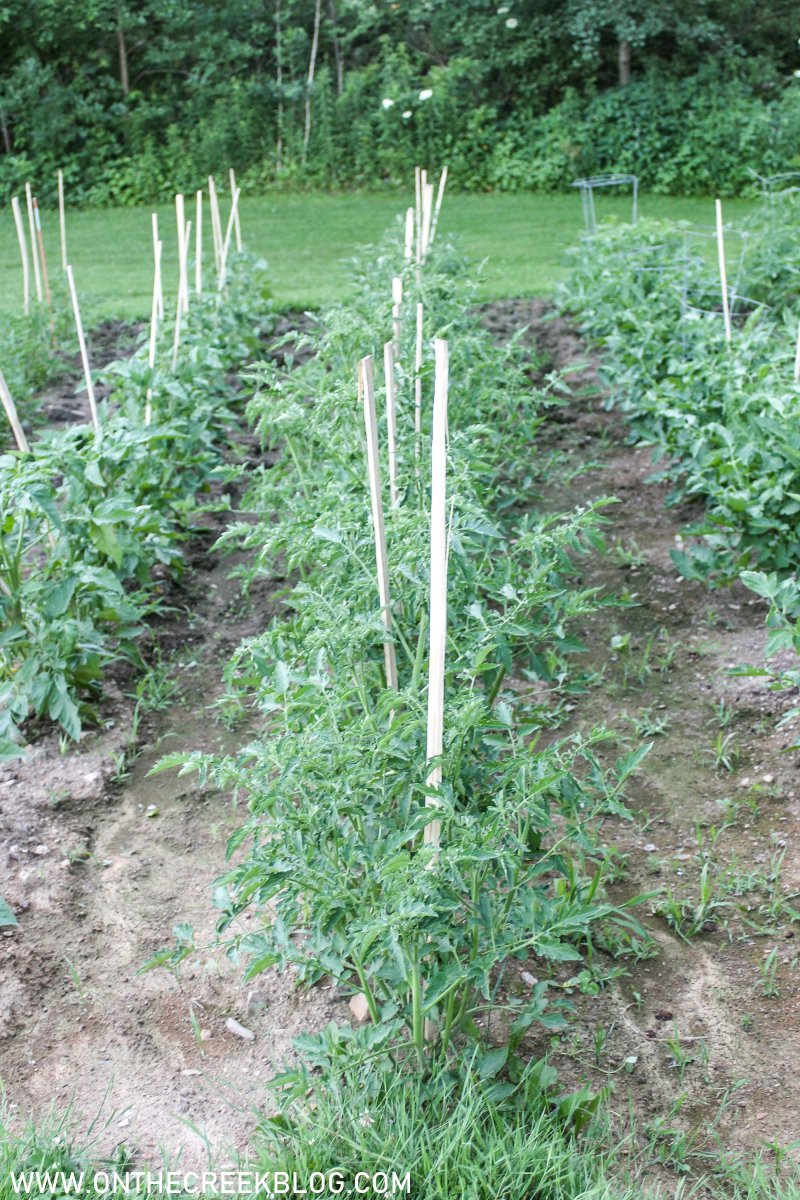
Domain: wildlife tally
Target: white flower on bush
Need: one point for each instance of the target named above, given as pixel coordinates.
(407, 115)
(387, 102)
(501, 12)
(512, 23)
(426, 93)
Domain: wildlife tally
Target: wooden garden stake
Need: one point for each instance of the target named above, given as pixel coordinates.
(183, 249)
(216, 228)
(427, 214)
(87, 372)
(409, 239)
(397, 311)
(418, 376)
(438, 569)
(418, 213)
(423, 195)
(40, 240)
(13, 419)
(366, 389)
(198, 244)
(236, 224)
(151, 354)
(62, 220)
(723, 275)
(156, 253)
(37, 279)
(227, 243)
(23, 253)
(391, 419)
(176, 341)
(439, 197)
(176, 337)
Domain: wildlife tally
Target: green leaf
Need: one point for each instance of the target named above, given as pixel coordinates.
(492, 1063)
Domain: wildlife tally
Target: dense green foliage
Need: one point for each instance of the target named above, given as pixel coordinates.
(87, 516)
(332, 858)
(723, 419)
(134, 101)
(469, 1137)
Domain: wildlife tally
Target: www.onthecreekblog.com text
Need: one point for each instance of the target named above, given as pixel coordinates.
(209, 1183)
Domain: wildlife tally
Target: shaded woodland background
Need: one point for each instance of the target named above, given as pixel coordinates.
(133, 100)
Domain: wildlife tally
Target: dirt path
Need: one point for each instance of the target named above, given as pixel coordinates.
(99, 870)
(696, 1020)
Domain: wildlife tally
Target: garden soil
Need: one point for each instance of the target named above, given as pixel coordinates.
(100, 860)
(688, 1034)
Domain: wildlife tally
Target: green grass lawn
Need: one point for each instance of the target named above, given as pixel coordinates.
(308, 239)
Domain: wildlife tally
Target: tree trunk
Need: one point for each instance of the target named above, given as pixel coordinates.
(6, 132)
(624, 63)
(312, 66)
(123, 54)
(279, 81)
(337, 51)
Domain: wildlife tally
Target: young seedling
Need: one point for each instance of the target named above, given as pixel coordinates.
(724, 752)
(768, 972)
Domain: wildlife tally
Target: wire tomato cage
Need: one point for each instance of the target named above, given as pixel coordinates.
(700, 294)
(588, 187)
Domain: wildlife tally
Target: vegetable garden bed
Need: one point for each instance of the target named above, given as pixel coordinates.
(593, 866)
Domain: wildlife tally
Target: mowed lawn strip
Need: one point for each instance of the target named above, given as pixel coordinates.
(307, 240)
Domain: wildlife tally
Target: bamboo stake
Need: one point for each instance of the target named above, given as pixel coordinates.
(87, 372)
(438, 570)
(198, 244)
(151, 355)
(223, 270)
(34, 252)
(183, 274)
(62, 220)
(409, 238)
(723, 275)
(176, 341)
(13, 419)
(423, 193)
(439, 197)
(418, 213)
(391, 421)
(366, 389)
(397, 311)
(23, 253)
(427, 214)
(418, 376)
(236, 225)
(156, 244)
(40, 240)
(216, 227)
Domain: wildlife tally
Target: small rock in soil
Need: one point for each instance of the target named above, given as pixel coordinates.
(256, 1003)
(359, 1008)
(239, 1031)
